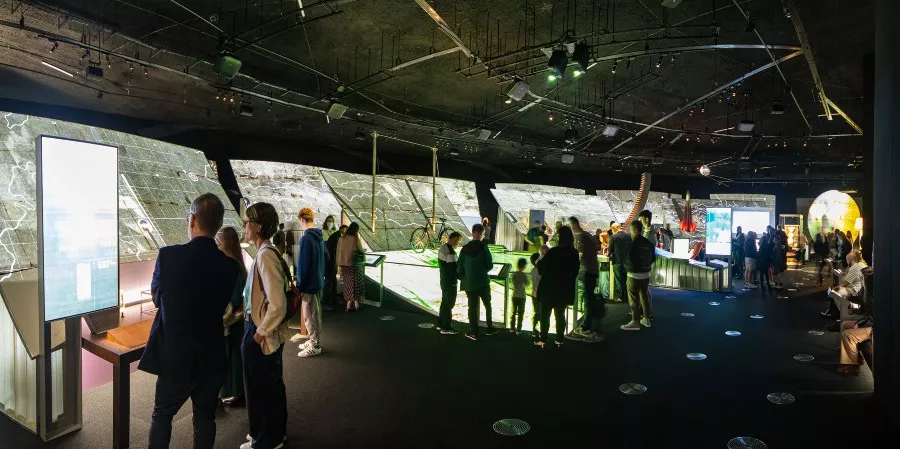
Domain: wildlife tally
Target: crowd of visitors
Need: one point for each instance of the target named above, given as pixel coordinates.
(245, 312)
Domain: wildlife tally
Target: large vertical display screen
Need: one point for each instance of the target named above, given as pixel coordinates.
(752, 220)
(718, 231)
(78, 226)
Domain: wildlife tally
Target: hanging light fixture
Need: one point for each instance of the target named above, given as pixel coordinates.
(582, 55)
(558, 62)
(704, 170)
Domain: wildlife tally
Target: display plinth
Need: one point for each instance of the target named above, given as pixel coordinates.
(131, 336)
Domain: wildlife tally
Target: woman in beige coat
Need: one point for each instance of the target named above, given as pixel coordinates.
(264, 332)
(354, 279)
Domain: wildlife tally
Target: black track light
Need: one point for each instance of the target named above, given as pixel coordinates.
(558, 62)
(582, 55)
(615, 63)
(54, 47)
(659, 62)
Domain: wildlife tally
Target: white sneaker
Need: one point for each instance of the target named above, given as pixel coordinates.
(297, 337)
(645, 322)
(247, 445)
(594, 338)
(631, 326)
(305, 344)
(310, 351)
(249, 438)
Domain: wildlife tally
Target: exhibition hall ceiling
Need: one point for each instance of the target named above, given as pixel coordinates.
(437, 73)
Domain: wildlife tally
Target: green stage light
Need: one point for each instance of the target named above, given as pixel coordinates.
(577, 73)
(551, 77)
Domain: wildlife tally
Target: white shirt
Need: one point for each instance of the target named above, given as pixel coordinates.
(854, 278)
(446, 255)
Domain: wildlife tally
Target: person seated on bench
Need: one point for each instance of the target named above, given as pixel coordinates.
(850, 287)
(853, 333)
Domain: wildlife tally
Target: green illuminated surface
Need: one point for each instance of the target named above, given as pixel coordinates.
(416, 278)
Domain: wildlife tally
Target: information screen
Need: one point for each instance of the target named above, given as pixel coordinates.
(751, 220)
(78, 196)
(718, 231)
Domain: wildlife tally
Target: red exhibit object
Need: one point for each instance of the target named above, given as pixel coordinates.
(687, 218)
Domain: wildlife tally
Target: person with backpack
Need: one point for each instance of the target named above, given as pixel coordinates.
(310, 280)
(265, 330)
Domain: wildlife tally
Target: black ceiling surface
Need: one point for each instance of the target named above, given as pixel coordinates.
(158, 60)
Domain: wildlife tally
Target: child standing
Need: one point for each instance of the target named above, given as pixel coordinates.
(536, 306)
(520, 281)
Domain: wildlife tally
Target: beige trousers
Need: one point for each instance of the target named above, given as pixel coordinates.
(850, 337)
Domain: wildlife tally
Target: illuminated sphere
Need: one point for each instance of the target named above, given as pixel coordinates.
(832, 210)
(704, 170)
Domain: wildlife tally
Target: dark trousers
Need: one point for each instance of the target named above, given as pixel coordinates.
(592, 309)
(763, 275)
(822, 264)
(483, 295)
(536, 318)
(518, 313)
(621, 275)
(738, 264)
(266, 396)
(330, 296)
(560, 314)
(171, 395)
(639, 298)
(234, 378)
(448, 300)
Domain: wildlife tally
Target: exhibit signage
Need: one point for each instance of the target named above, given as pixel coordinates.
(78, 226)
(718, 231)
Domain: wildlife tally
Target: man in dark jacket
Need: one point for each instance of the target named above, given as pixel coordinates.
(618, 253)
(330, 295)
(738, 243)
(449, 283)
(474, 264)
(310, 280)
(191, 286)
(641, 255)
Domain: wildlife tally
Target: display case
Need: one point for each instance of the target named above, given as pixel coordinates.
(795, 244)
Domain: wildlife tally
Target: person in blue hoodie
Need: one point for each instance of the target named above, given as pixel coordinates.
(310, 280)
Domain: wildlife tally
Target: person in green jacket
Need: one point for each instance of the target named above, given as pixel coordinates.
(474, 264)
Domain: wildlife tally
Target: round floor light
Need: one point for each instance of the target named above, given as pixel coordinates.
(782, 297)
(386, 318)
(733, 333)
(792, 289)
(426, 325)
(730, 297)
(687, 314)
(511, 427)
(632, 389)
(757, 317)
(746, 443)
(696, 356)
(713, 303)
(781, 398)
(816, 333)
(804, 358)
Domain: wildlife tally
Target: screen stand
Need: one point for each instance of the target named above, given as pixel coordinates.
(59, 382)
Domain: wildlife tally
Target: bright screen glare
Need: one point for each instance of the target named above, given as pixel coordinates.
(751, 220)
(79, 227)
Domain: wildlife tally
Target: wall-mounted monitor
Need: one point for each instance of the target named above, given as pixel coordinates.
(718, 231)
(752, 220)
(78, 226)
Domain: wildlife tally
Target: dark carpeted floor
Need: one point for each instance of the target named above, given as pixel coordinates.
(393, 384)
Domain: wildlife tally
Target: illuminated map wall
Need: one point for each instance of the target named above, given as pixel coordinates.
(402, 203)
(157, 183)
(608, 205)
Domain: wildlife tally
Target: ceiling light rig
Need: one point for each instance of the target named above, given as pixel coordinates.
(558, 62)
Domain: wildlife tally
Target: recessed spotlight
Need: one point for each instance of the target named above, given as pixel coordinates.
(508, 101)
(551, 77)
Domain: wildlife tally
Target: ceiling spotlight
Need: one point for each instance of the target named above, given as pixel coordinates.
(610, 130)
(829, 141)
(615, 63)
(551, 77)
(508, 101)
(108, 64)
(87, 53)
(558, 62)
(582, 55)
(750, 27)
(577, 73)
(704, 170)
(145, 72)
(571, 135)
(131, 66)
(550, 117)
(628, 63)
(659, 62)
(784, 144)
(54, 47)
(673, 59)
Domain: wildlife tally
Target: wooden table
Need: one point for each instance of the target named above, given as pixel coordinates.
(120, 357)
